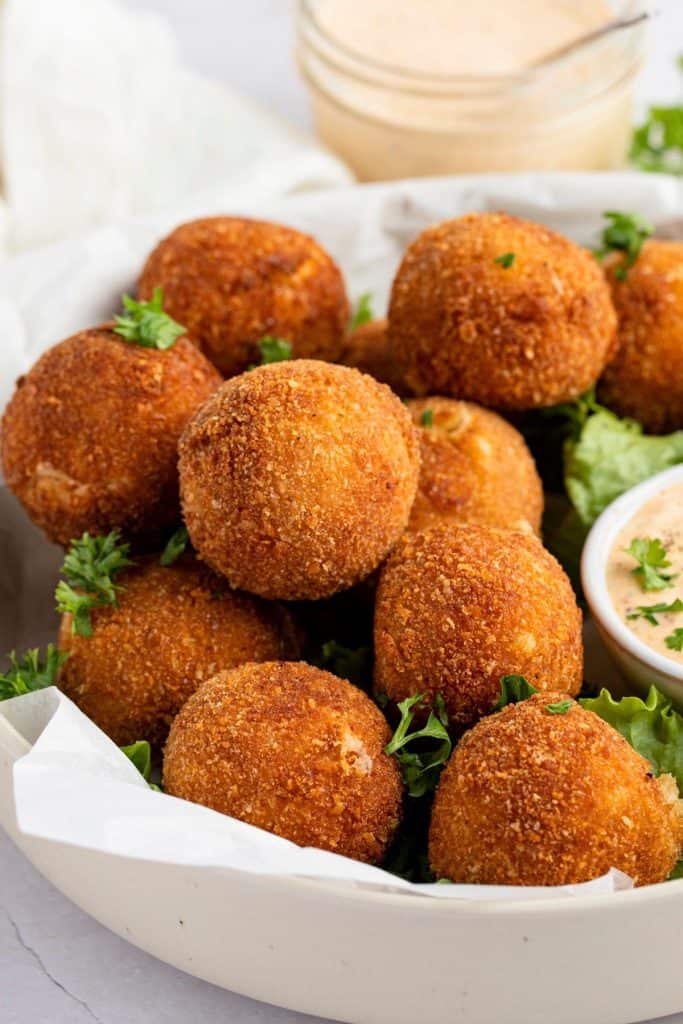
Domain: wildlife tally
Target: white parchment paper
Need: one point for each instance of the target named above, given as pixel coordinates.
(74, 786)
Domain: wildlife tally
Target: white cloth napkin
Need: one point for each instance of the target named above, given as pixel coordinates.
(99, 121)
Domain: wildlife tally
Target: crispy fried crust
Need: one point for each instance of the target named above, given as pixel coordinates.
(297, 478)
(645, 379)
(174, 628)
(231, 281)
(459, 606)
(476, 468)
(367, 348)
(534, 798)
(292, 749)
(531, 335)
(89, 438)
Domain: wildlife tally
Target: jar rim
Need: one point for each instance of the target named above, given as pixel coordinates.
(488, 81)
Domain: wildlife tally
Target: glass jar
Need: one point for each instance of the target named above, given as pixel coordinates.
(571, 113)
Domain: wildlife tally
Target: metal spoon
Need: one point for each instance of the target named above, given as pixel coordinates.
(611, 26)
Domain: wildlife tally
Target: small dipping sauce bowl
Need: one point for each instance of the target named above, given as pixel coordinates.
(641, 666)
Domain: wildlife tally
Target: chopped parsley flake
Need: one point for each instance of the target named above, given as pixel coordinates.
(674, 641)
(505, 260)
(560, 708)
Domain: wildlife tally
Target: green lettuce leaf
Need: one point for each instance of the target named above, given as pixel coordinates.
(651, 726)
(140, 754)
(608, 456)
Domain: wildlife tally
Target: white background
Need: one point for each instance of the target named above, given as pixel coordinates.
(57, 966)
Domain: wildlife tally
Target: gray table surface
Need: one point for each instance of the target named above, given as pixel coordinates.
(57, 965)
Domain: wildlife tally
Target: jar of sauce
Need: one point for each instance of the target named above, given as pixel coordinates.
(448, 86)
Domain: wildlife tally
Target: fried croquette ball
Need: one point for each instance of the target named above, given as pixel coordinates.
(297, 478)
(174, 627)
(231, 281)
(645, 378)
(476, 468)
(500, 311)
(460, 606)
(367, 348)
(89, 439)
(532, 797)
(291, 749)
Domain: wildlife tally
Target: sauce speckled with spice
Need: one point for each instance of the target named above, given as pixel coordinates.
(649, 600)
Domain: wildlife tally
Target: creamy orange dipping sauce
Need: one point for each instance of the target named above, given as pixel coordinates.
(453, 37)
(662, 518)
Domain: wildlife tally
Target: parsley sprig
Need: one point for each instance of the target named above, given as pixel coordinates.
(624, 233)
(175, 546)
(362, 312)
(650, 554)
(273, 350)
(427, 418)
(352, 663)
(140, 753)
(657, 144)
(29, 673)
(421, 767)
(513, 689)
(651, 611)
(146, 324)
(89, 571)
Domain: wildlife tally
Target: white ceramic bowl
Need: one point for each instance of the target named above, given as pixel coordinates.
(377, 958)
(642, 666)
(350, 954)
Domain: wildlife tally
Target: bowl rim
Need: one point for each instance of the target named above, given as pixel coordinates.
(594, 580)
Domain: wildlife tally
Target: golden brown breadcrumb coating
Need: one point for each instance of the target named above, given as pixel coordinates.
(367, 348)
(645, 378)
(231, 280)
(291, 749)
(89, 439)
(535, 798)
(476, 468)
(297, 478)
(174, 627)
(535, 333)
(459, 606)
